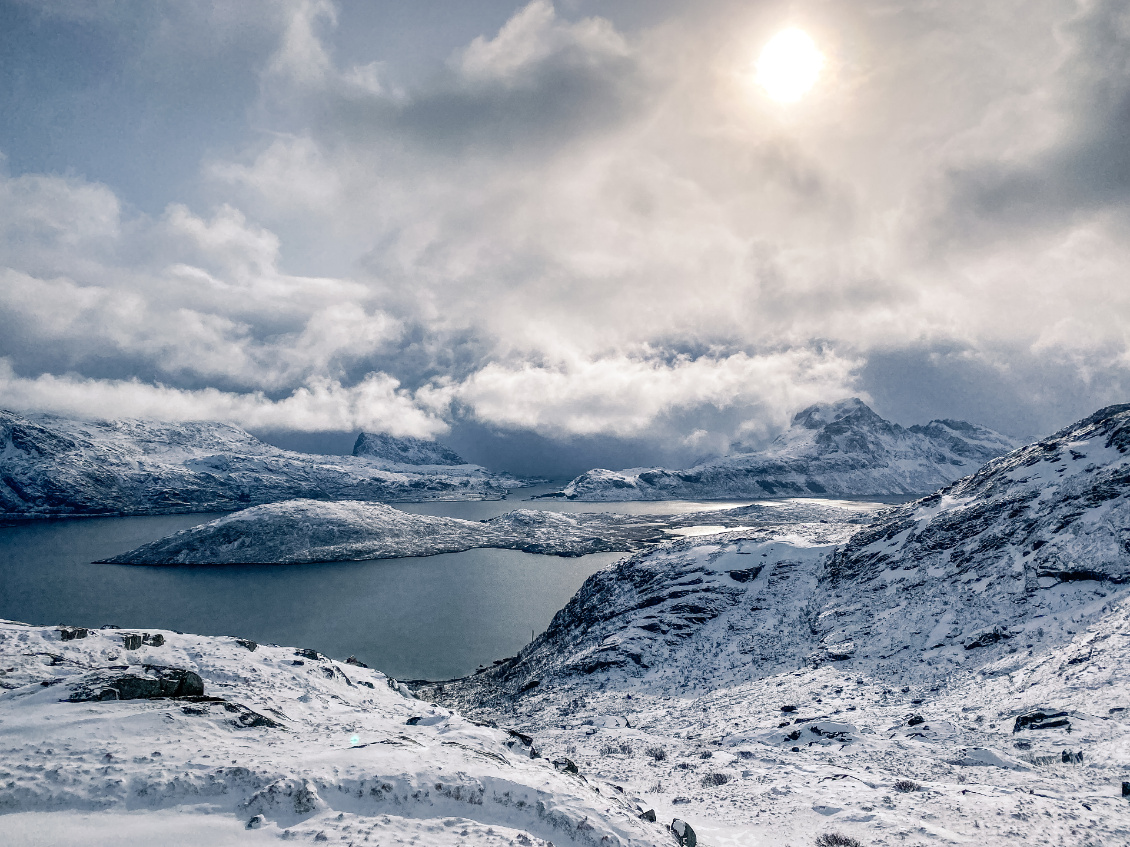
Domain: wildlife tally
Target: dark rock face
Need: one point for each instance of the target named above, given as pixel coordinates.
(404, 451)
(1041, 720)
(155, 681)
(70, 633)
(684, 835)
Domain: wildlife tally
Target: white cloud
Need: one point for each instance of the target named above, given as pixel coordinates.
(377, 403)
(584, 231)
(626, 395)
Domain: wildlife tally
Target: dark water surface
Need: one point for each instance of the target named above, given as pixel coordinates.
(433, 617)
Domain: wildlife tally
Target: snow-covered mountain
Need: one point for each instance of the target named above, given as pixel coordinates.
(297, 531)
(838, 449)
(404, 451)
(130, 738)
(52, 466)
(955, 669)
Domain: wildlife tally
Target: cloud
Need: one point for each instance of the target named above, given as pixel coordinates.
(583, 230)
(625, 396)
(377, 403)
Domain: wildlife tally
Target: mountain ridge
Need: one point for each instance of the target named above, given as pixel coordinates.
(841, 449)
(55, 466)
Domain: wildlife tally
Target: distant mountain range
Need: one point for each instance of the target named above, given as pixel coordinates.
(840, 449)
(52, 466)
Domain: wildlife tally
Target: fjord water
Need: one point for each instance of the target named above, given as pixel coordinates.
(435, 617)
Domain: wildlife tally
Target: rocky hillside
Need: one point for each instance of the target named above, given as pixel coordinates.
(838, 449)
(955, 669)
(1034, 536)
(52, 466)
(404, 451)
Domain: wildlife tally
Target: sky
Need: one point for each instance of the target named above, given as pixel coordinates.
(558, 235)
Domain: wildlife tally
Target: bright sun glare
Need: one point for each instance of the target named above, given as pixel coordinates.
(789, 65)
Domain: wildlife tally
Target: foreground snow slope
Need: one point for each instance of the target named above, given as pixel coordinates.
(320, 749)
(55, 466)
(315, 531)
(838, 449)
(938, 646)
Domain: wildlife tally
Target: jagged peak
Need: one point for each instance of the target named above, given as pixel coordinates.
(821, 414)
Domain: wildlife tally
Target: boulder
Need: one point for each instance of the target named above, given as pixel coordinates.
(70, 633)
(131, 641)
(155, 682)
(683, 833)
(1042, 720)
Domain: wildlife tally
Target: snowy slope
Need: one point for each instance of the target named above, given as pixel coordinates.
(831, 449)
(924, 647)
(316, 531)
(54, 466)
(404, 451)
(283, 743)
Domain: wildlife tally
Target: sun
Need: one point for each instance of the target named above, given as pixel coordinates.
(789, 65)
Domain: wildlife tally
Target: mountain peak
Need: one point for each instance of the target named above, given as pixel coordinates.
(821, 414)
(404, 451)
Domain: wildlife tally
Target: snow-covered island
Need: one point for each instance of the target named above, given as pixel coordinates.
(53, 466)
(299, 531)
(838, 449)
(952, 671)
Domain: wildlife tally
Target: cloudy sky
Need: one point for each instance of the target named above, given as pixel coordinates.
(562, 234)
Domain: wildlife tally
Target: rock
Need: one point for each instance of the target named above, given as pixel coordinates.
(131, 641)
(157, 640)
(1042, 720)
(569, 766)
(306, 653)
(987, 637)
(306, 799)
(649, 815)
(70, 633)
(683, 833)
(788, 708)
(353, 660)
(1069, 758)
(158, 682)
(915, 720)
(256, 822)
(1126, 789)
(246, 643)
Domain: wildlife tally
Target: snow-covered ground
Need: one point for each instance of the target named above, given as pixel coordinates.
(955, 673)
(838, 449)
(283, 744)
(56, 466)
(297, 531)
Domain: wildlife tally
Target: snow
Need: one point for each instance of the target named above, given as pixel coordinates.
(777, 683)
(348, 759)
(316, 531)
(949, 671)
(64, 467)
(838, 449)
